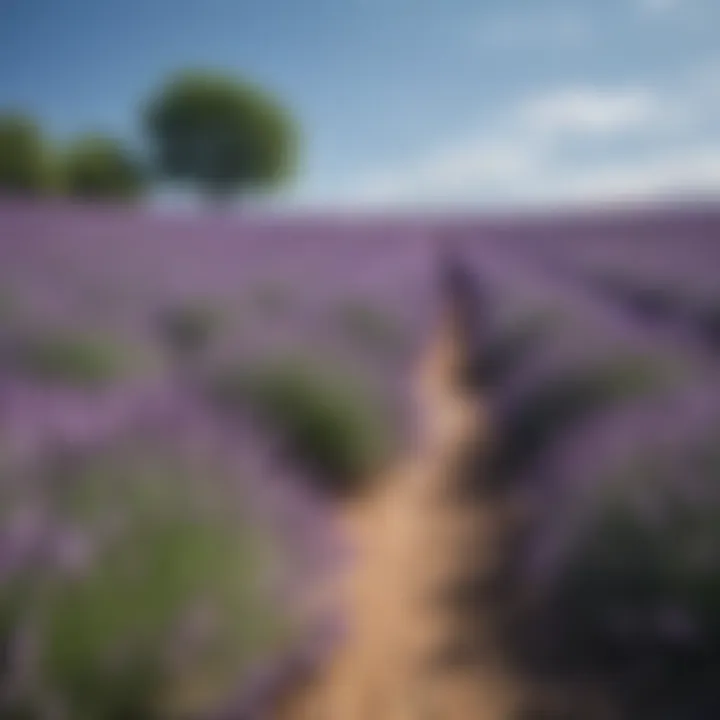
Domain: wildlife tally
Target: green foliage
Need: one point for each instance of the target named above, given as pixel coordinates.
(369, 326)
(121, 637)
(187, 329)
(221, 133)
(74, 358)
(25, 164)
(566, 400)
(98, 168)
(328, 421)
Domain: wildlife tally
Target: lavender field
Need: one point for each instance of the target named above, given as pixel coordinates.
(186, 403)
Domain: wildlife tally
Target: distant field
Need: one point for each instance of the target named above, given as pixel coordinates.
(264, 365)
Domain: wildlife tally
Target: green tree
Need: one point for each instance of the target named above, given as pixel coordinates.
(99, 167)
(222, 134)
(24, 160)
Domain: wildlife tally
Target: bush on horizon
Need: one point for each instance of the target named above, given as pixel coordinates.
(97, 167)
(26, 160)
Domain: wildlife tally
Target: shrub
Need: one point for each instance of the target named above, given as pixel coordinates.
(369, 326)
(147, 596)
(327, 420)
(73, 358)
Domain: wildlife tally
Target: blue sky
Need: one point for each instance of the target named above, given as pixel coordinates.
(408, 102)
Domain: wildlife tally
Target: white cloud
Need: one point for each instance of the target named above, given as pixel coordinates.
(522, 160)
(588, 110)
(477, 162)
(497, 159)
(690, 170)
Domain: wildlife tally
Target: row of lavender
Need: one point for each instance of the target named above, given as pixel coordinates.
(661, 269)
(612, 427)
(156, 541)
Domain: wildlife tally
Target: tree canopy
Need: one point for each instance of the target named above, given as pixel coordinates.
(222, 134)
(99, 167)
(24, 161)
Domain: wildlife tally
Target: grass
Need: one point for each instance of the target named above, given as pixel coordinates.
(328, 421)
(75, 358)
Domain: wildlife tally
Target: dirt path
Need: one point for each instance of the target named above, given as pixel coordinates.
(419, 537)
(416, 537)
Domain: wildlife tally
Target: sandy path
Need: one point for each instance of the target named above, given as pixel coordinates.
(415, 538)
(418, 537)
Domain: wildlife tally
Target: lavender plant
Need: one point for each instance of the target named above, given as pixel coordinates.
(135, 584)
(72, 358)
(326, 419)
(637, 601)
